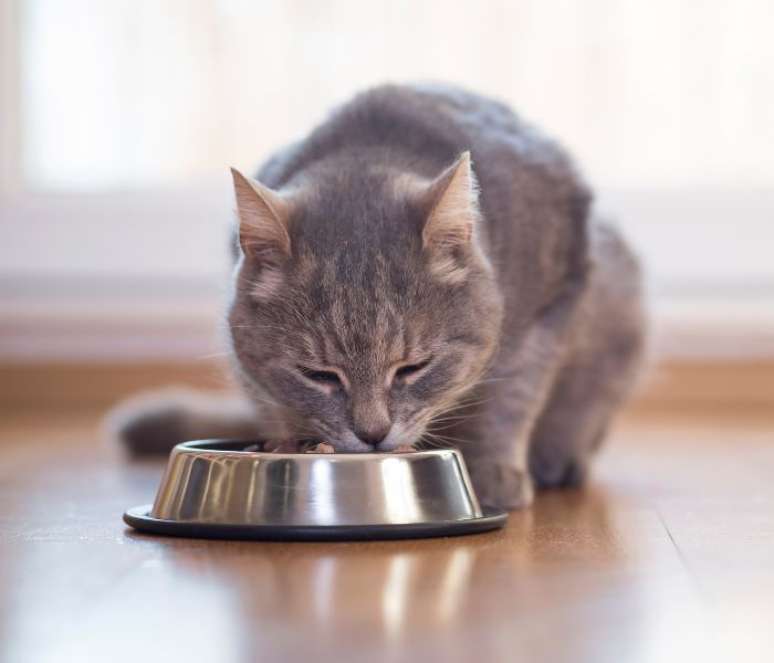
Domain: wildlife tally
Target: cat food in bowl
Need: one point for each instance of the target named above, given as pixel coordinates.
(238, 489)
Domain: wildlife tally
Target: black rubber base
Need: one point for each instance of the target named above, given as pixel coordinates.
(139, 518)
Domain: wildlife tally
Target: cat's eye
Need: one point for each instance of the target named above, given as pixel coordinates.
(409, 370)
(329, 378)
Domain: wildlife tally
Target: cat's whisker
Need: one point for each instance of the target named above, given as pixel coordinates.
(455, 409)
(437, 441)
(213, 355)
(438, 432)
(471, 404)
(456, 417)
(492, 379)
(449, 441)
(427, 440)
(264, 401)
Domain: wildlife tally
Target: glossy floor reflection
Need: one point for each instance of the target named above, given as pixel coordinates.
(666, 556)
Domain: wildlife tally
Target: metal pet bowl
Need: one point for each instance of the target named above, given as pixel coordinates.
(216, 489)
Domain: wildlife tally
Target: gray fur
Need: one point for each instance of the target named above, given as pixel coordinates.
(531, 352)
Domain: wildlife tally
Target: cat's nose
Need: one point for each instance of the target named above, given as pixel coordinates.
(373, 437)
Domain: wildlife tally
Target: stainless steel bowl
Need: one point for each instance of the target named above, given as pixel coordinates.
(214, 488)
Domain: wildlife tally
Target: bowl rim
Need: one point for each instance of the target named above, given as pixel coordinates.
(199, 446)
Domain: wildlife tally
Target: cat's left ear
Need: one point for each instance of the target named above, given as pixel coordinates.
(449, 233)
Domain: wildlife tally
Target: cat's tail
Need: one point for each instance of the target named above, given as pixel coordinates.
(153, 422)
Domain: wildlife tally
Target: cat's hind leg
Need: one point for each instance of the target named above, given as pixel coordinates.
(599, 372)
(571, 427)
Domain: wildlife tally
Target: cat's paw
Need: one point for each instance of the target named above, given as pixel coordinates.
(501, 485)
(560, 472)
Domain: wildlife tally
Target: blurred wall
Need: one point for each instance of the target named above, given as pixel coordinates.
(118, 120)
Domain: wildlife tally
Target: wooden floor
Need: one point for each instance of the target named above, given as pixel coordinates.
(667, 556)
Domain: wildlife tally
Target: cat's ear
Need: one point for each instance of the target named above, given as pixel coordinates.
(449, 232)
(263, 233)
(263, 220)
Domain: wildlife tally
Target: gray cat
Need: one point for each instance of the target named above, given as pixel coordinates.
(423, 265)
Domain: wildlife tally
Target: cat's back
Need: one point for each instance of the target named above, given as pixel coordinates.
(425, 127)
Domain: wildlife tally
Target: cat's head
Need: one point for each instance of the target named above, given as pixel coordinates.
(364, 305)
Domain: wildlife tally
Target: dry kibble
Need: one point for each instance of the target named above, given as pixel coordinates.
(309, 447)
(321, 448)
(298, 446)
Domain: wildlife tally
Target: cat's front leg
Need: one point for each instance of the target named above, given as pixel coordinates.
(497, 456)
(501, 482)
(512, 399)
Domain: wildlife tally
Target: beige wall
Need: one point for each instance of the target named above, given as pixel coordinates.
(118, 120)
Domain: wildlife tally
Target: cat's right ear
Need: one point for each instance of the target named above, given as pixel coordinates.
(263, 220)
